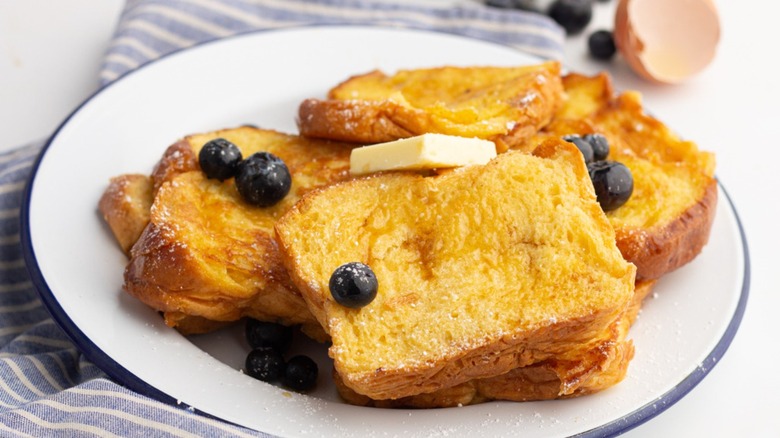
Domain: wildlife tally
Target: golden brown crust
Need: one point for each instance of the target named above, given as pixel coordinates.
(595, 369)
(207, 257)
(125, 207)
(667, 221)
(499, 356)
(166, 275)
(352, 121)
(663, 249)
(583, 370)
(180, 157)
(505, 105)
(311, 243)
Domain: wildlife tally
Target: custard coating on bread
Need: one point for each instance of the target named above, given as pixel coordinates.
(481, 270)
(501, 282)
(208, 256)
(668, 218)
(125, 206)
(585, 369)
(503, 104)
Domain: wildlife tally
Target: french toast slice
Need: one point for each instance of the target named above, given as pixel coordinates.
(578, 372)
(481, 270)
(668, 218)
(663, 227)
(207, 257)
(125, 206)
(504, 104)
(585, 369)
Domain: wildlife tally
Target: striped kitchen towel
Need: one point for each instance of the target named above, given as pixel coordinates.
(152, 28)
(47, 387)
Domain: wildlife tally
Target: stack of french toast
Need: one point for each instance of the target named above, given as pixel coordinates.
(501, 281)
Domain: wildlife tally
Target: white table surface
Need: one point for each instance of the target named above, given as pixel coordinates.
(50, 53)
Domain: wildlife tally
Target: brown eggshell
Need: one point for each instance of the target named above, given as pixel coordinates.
(667, 41)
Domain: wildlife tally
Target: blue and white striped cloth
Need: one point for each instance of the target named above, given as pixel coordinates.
(47, 388)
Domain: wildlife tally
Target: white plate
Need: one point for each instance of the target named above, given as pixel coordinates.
(259, 79)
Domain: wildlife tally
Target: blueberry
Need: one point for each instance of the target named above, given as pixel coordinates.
(582, 145)
(353, 285)
(602, 45)
(300, 373)
(261, 334)
(219, 159)
(572, 15)
(265, 364)
(613, 183)
(600, 146)
(263, 179)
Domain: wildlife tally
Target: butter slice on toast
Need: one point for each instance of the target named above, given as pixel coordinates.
(423, 152)
(506, 105)
(481, 270)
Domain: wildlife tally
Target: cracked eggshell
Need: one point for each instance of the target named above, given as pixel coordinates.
(667, 41)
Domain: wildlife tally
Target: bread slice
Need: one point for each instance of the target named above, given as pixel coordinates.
(125, 206)
(585, 369)
(207, 257)
(668, 218)
(503, 104)
(481, 270)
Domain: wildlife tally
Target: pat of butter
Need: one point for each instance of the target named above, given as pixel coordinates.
(427, 151)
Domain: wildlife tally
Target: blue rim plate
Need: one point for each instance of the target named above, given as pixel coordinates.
(124, 128)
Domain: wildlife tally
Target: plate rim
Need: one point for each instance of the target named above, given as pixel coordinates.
(652, 409)
(128, 379)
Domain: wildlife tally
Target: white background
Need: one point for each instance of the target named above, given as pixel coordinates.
(50, 53)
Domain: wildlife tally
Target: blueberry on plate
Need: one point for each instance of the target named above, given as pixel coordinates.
(613, 183)
(261, 334)
(265, 364)
(300, 373)
(582, 145)
(599, 144)
(572, 15)
(353, 285)
(263, 179)
(602, 45)
(219, 159)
